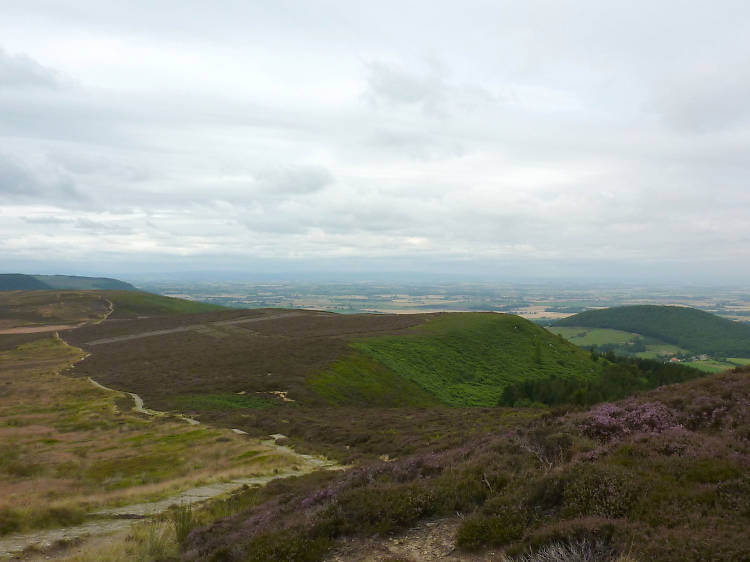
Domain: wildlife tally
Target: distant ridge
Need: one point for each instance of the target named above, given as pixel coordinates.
(23, 282)
(690, 328)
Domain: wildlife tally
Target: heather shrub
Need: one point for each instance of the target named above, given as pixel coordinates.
(734, 495)
(608, 421)
(290, 545)
(499, 529)
(382, 508)
(607, 491)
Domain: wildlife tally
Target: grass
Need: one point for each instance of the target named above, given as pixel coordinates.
(224, 402)
(66, 448)
(466, 359)
(359, 379)
(586, 337)
(131, 304)
(710, 366)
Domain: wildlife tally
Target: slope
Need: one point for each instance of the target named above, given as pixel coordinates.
(20, 282)
(466, 359)
(689, 328)
(76, 282)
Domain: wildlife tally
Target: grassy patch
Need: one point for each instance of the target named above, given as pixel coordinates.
(586, 337)
(223, 402)
(360, 380)
(467, 359)
(130, 304)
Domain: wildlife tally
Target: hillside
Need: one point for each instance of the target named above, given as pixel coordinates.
(657, 477)
(455, 359)
(59, 310)
(22, 282)
(688, 328)
(465, 359)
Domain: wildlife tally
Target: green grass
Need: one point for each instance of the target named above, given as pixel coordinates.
(710, 366)
(466, 359)
(223, 402)
(586, 337)
(129, 304)
(659, 350)
(739, 360)
(359, 379)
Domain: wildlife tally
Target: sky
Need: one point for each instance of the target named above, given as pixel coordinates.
(494, 139)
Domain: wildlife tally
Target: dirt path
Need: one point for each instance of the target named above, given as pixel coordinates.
(40, 329)
(192, 327)
(121, 518)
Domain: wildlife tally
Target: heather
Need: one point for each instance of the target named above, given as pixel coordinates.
(659, 476)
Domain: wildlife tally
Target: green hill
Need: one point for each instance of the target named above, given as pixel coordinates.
(463, 359)
(23, 282)
(688, 328)
(20, 282)
(75, 282)
(131, 304)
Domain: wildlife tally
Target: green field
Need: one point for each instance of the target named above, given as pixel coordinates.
(585, 337)
(466, 359)
(713, 366)
(688, 328)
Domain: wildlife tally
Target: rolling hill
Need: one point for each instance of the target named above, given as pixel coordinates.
(38, 308)
(688, 328)
(23, 282)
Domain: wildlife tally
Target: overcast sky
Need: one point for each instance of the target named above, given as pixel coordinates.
(540, 137)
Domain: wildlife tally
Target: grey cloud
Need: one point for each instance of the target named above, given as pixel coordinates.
(21, 71)
(18, 182)
(394, 85)
(293, 180)
(705, 98)
(46, 220)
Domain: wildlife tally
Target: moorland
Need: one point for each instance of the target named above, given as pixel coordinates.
(485, 429)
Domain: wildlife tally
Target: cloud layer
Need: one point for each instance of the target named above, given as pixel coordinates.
(239, 133)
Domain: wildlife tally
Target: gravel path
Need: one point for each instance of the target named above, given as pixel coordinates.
(192, 327)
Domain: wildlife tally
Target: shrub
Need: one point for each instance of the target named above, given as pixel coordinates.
(606, 491)
(496, 530)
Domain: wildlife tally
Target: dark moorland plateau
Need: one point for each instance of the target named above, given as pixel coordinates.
(461, 435)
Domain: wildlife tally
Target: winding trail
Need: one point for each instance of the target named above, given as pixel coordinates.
(192, 327)
(121, 518)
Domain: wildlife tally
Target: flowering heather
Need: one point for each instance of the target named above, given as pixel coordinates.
(608, 421)
(661, 476)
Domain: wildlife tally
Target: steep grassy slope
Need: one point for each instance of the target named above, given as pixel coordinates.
(696, 330)
(466, 359)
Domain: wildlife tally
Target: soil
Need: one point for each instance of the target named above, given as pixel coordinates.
(428, 541)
